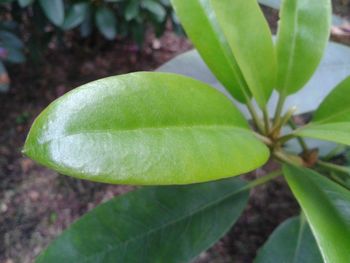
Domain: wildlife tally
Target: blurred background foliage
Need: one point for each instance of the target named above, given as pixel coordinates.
(27, 27)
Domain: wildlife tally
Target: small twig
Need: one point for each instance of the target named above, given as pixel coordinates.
(300, 140)
(263, 180)
(264, 139)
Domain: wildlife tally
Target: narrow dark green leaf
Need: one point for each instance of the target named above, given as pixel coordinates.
(145, 128)
(199, 21)
(75, 15)
(106, 22)
(250, 39)
(302, 37)
(291, 242)
(54, 10)
(327, 208)
(159, 224)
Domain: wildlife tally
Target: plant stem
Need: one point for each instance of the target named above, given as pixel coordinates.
(279, 108)
(263, 180)
(290, 159)
(334, 167)
(300, 140)
(255, 117)
(286, 138)
(264, 139)
(266, 120)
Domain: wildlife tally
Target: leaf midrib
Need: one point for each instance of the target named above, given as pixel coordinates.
(143, 129)
(170, 223)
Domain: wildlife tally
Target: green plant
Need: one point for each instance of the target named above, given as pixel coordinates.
(112, 18)
(165, 129)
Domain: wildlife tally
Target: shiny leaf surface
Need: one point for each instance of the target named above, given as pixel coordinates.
(158, 224)
(303, 34)
(201, 25)
(291, 242)
(326, 206)
(250, 39)
(145, 128)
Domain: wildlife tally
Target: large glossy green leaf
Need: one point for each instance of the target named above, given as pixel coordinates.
(250, 39)
(145, 128)
(302, 37)
(336, 106)
(291, 242)
(200, 23)
(335, 66)
(106, 22)
(327, 208)
(54, 10)
(159, 224)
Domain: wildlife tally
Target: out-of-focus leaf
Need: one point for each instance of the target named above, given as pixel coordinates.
(4, 79)
(326, 206)
(54, 10)
(106, 22)
(158, 224)
(200, 23)
(10, 40)
(155, 8)
(132, 10)
(25, 3)
(291, 242)
(250, 39)
(303, 34)
(144, 128)
(76, 15)
(15, 55)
